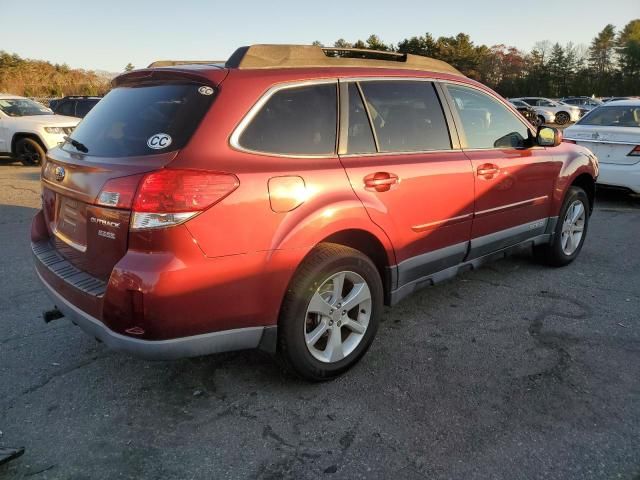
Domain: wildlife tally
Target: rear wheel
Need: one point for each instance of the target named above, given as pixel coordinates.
(30, 152)
(562, 118)
(570, 232)
(330, 313)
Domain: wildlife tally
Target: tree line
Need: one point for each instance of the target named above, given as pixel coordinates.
(609, 66)
(38, 78)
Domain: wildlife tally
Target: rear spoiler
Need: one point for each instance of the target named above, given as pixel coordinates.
(173, 63)
(208, 76)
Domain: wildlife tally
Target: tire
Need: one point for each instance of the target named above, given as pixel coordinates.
(556, 253)
(562, 118)
(319, 347)
(30, 152)
(539, 121)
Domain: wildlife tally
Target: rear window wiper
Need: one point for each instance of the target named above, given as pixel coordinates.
(78, 145)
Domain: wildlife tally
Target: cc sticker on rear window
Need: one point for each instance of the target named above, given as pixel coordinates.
(159, 141)
(205, 90)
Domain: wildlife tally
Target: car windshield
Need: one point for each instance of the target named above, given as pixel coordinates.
(613, 116)
(22, 107)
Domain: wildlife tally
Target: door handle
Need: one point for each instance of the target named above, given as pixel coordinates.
(380, 181)
(488, 170)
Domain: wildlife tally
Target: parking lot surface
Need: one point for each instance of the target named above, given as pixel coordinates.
(512, 371)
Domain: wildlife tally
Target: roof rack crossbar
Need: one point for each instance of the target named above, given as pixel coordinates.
(364, 53)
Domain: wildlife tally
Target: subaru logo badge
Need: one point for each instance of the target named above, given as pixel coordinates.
(60, 173)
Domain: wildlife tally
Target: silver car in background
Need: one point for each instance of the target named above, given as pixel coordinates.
(564, 113)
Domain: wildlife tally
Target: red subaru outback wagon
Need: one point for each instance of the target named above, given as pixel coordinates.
(280, 199)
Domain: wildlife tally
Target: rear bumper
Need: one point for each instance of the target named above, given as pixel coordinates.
(616, 175)
(193, 346)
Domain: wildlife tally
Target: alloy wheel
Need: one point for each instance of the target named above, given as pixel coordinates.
(337, 317)
(573, 227)
(562, 118)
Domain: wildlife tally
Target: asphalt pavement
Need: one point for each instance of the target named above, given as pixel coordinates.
(512, 371)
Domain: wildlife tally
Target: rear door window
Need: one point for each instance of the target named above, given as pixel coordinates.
(487, 123)
(295, 121)
(142, 120)
(406, 115)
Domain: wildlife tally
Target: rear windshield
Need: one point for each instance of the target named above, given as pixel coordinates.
(613, 116)
(142, 120)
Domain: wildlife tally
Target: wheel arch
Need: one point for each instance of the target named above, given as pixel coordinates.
(372, 247)
(588, 184)
(20, 135)
(580, 168)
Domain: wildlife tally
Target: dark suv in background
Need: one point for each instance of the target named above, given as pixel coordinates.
(74, 106)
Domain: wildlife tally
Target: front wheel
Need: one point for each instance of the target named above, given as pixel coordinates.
(570, 231)
(330, 313)
(30, 152)
(562, 118)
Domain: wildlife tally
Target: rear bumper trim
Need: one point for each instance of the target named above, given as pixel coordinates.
(48, 256)
(197, 345)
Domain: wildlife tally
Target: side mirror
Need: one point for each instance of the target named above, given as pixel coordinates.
(548, 137)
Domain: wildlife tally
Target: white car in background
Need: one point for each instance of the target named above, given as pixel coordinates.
(28, 129)
(564, 113)
(612, 133)
(543, 117)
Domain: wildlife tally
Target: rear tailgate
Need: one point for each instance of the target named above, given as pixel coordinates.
(88, 183)
(91, 237)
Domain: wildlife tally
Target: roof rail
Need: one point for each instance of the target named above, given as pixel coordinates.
(173, 63)
(301, 56)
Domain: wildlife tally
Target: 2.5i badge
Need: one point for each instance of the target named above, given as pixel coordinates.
(159, 141)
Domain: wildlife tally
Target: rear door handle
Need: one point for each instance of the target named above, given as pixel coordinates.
(488, 170)
(380, 181)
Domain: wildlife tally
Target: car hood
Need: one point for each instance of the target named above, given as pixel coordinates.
(48, 120)
(599, 133)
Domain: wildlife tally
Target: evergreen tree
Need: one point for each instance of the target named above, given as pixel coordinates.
(629, 52)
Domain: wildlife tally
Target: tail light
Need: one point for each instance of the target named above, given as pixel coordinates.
(635, 152)
(119, 192)
(166, 197)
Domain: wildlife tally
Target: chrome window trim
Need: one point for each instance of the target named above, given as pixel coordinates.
(237, 132)
(234, 139)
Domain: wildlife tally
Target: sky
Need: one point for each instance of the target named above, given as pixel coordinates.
(107, 35)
